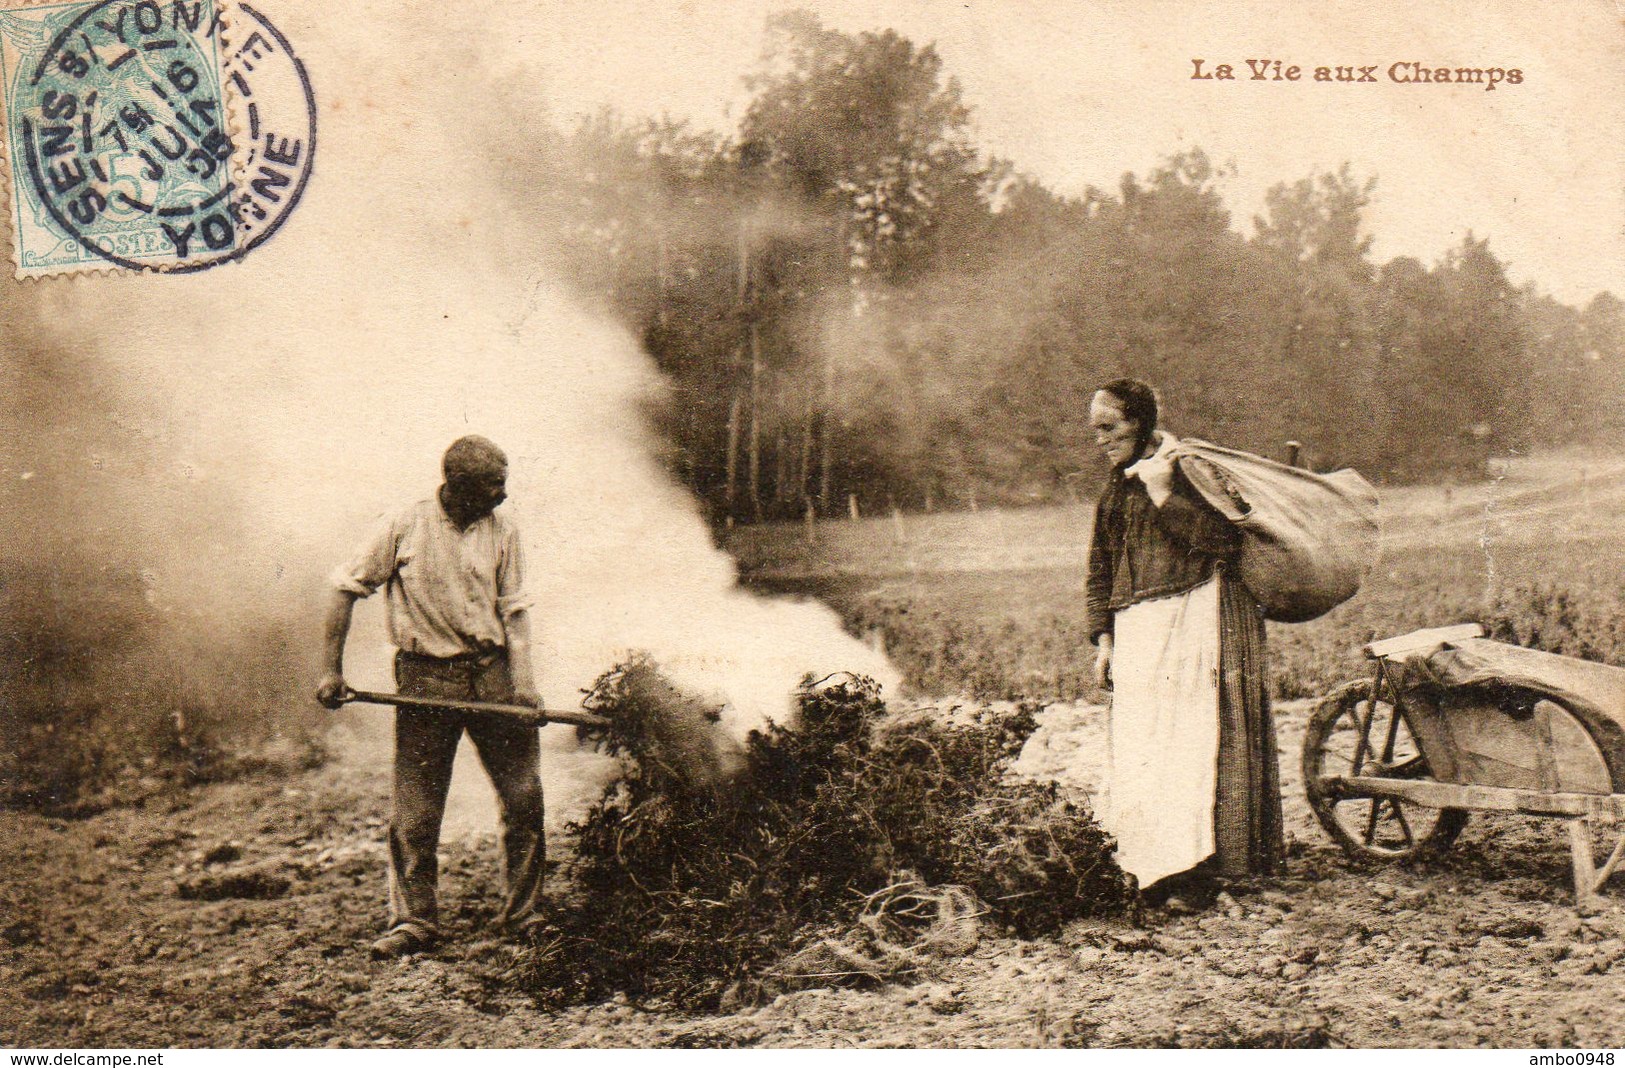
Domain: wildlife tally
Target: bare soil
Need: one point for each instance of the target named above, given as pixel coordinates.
(238, 915)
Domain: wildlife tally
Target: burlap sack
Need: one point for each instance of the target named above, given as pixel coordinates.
(1310, 539)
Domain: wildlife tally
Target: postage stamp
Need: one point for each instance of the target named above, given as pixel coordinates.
(121, 145)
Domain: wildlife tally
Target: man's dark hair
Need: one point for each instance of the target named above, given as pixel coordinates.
(471, 456)
(1139, 404)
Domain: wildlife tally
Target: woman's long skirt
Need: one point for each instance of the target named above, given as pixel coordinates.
(1192, 769)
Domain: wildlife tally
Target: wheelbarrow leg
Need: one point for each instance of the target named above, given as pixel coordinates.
(1586, 879)
(1585, 872)
(1616, 855)
(1589, 879)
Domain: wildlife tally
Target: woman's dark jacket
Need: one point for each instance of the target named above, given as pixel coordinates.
(1140, 551)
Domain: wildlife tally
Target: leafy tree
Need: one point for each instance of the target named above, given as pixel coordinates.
(1602, 333)
(1320, 220)
(867, 125)
(868, 131)
(850, 299)
(1563, 386)
(1314, 230)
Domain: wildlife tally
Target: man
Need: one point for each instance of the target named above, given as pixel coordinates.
(457, 616)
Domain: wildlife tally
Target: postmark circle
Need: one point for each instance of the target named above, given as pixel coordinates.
(126, 123)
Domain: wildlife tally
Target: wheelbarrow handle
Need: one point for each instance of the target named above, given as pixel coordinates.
(538, 717)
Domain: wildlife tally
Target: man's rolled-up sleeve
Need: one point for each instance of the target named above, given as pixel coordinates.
(373, 563)
(511, 596)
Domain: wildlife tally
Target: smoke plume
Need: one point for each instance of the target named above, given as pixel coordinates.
(261, 416)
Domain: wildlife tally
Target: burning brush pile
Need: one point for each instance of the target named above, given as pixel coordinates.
(852, 850)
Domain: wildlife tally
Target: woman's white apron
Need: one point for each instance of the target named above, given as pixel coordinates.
(1163, 733)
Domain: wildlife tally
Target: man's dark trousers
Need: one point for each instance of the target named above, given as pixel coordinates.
(425, 745)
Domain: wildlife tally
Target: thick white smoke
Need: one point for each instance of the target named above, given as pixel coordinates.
(410, 300)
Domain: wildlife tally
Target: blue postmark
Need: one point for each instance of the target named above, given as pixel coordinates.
(119, 137)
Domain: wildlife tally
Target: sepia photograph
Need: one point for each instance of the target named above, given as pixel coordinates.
(812, 523)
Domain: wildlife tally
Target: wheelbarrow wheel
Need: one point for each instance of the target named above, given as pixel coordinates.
(1350, 734)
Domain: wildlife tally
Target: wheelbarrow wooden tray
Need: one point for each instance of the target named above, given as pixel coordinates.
(1583, 719)
(1501, 729)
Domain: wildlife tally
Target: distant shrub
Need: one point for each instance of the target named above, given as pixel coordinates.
(1587, 623)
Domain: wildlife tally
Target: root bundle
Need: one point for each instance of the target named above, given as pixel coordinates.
(852, 850)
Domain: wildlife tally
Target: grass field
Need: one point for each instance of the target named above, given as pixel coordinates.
(990, 603)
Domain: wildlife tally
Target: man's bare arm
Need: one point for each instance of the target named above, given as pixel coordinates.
(330, 691)
(517, 627)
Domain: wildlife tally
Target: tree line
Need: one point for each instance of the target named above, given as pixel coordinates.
(858, 307)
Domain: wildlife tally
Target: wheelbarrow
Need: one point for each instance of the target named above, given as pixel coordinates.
(1450, 723)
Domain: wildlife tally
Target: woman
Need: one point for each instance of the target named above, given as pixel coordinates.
(1192, 762)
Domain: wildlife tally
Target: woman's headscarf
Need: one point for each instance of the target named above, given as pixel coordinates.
(1139, 404)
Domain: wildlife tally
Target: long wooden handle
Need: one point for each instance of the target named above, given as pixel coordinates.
(539, 717)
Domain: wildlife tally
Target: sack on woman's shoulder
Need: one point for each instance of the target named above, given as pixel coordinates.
(1309, 539)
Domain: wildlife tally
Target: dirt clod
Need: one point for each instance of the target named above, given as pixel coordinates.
(261, 883)
(224, 853)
